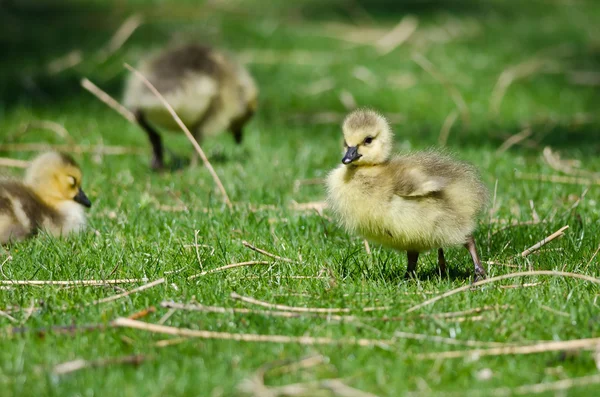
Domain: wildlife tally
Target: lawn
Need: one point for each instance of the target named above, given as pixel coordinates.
(514, 89)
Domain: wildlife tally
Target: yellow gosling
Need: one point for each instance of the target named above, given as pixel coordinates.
(50, 198)
(209, 90)
(413, 202)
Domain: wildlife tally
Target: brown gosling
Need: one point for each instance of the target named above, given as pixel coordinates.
(208, 89)
(50, 199)
(414, 202)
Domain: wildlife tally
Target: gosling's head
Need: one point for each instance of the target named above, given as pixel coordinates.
(56, 178)
(367, 138)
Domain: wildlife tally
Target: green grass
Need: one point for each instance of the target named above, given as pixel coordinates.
(133, 235)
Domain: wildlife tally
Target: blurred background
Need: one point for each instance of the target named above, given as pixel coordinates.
(471, 75)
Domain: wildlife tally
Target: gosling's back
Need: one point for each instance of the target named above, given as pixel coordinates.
(207, 88)
(23, 213)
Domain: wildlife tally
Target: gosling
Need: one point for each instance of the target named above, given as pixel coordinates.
(414, 202)
(209, 90)
(50, 198)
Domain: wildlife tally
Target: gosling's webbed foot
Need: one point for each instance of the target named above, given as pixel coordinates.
(479, 275)
(479, 272)
(411, 268)
(442, 264)
(410, 275)
(157, 164)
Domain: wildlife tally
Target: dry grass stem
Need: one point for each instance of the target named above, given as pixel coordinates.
(230, 266)
(187, 133)
(171, 342)
(367, 247)
(448, 341)
(329, 387)
(302, 340)
(365, 75)
(569, 180)
(467, 312)
(142, 313)
(73, 282)
(446, 127)
(592, 258)
(108, 100)
(525, 285)
(287, 308)
(120, 37)
(304, 363)
(537, 246)
(298, 183)
(320, 86)
(75, 57)
(289, 277)
(517, 224)
(127, 293)
(564, 384)
(347, 99)
(8, 316)
(272, 313)
(49, 125)
(543, 347)
(268, 305)
(398, 35)
(454, 93)
(531, 389)
(15, 163)
(78, 149)
(76, 365)
(589, 78)
(557, 312)
(513, 140)
(263, 252)
(71, 59)
(565, 166)
(504, 277)
(317, 206)
(509, 76)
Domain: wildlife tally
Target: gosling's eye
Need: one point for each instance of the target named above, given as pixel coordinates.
(368, 140)
(72, 181)
(345, 144)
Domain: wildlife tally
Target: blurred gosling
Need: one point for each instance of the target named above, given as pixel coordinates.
(209, 90)
(50, 199)
(414, 202)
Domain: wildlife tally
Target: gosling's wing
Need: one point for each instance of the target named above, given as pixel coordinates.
(188, 77)
(413, 180)
(11, 226)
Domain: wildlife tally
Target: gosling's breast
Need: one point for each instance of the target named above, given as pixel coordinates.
(359, 205)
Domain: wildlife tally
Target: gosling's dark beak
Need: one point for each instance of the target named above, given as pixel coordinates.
(351, 155)
(82, 199)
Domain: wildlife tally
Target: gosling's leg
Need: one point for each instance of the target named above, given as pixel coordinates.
(411, 269)
(195, 160)
(238, 133)
(442, 262)
(472, 248)
(157, 146)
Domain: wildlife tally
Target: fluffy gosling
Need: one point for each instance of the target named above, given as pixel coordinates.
(209, 90)
(414, 202)
(50, 198)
